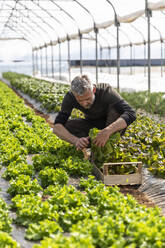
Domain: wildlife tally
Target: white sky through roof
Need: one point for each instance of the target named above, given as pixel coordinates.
(42, 21)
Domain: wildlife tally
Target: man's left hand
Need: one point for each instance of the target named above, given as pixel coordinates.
(102, 137)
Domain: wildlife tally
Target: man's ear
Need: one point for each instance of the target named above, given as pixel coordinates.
(94, 89)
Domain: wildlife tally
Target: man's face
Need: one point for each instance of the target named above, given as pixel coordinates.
(87, 99)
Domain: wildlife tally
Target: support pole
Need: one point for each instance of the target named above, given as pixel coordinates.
(69, 70)
(161, 58)
(36, 60)
(41, 67)
(109, 52)
(80, 38)
(117, 24)
(101, 56)
(144, 58)
(131, 59)
(164, 56)
(46, 60)
(96, 51)
(59, 59)
(33, 66)
(148, 15)
(52, 59)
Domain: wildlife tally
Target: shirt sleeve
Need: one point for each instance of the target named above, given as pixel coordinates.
(66, 109)
(61, 118)
(126, 111)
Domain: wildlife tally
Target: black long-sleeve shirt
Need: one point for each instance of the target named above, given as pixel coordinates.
(106, 99)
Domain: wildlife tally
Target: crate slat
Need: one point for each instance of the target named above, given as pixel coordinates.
(130, 179)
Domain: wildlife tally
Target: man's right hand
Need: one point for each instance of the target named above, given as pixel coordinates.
(82, 143)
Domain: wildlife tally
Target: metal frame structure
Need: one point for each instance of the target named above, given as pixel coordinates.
(45, 24)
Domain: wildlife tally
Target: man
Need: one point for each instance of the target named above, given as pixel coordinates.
(103, 108)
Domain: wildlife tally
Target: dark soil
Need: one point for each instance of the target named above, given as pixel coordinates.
(141, 197)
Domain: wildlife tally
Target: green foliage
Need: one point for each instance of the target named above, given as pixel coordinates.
(67, 198)
(144, 140)
(7, 242)
(76, 166)
(15, 169)
(50, 176)
(89, 183)
(74, 215)
(45, 228)
(111, 152)
(5, 220)
(97, 217)
(40, 161)
(151, 102)
(76, 113)
(50, 95)
(73, 165)
(23, 184)
(60, 241)
(32, 209)
(108, 152)
(51, 190)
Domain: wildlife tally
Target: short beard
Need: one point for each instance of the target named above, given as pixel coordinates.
(89, 106)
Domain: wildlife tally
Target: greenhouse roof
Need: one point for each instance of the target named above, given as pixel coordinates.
(43, 22)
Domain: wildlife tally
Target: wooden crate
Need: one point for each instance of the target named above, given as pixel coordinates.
(130, 179)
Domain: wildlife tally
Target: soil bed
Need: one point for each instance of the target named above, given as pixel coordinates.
(141, 197)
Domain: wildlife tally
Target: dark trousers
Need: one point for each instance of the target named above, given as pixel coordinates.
(80, 127)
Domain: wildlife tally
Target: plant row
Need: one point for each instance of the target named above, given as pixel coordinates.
(50, 95)
(151, 102)
(92, 215)
(24, 134)
(133, 146)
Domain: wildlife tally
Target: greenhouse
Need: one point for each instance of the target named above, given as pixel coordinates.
(59, 189)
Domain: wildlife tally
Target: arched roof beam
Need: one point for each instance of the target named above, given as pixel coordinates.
(135, 28)
(124, 19)
(96, 36)
(110, 33)
(137, 43)
(50, 15)
(126, 35)
(71, 17)
(14, 38)
(116, 21)
(28, 30)
(161, 38)
(11, 14)
(25, 35)
(31, 27)
(39, 26)
(103, 38)
(87, 10)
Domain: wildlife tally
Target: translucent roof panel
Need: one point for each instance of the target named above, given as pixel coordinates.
(43, 22)
(125, 7)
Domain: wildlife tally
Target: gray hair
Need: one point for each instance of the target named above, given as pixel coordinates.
(81, 84)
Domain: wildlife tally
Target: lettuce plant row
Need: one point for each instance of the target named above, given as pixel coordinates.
(23, 133)
(5, 227)
(50, 95)
(92, 214)
(150, 149)
(151, 102)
